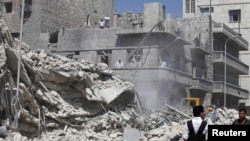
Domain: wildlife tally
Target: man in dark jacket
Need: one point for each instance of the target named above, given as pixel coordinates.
(242, 120)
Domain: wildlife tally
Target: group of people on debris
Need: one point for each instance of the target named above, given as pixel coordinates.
(196, 129)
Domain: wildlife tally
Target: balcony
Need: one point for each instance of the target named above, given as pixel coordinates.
(199, 48)
(200, 51)
(152, 38)
(202, 84)
(155, 74)
(218, 87)
(232, 62)
(200, 80)
(223, 32)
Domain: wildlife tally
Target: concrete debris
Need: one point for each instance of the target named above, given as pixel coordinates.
(222, 116)
(64, 84)
(56, 91)
(94, 82)
(63, 99)
(2, 56)
(3, 132)
(126, 125)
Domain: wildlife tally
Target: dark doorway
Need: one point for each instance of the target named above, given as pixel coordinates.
(53, 37)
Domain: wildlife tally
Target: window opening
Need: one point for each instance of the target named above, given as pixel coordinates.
(53, 37)
(234, 15)
(8, 7)
(105, 56)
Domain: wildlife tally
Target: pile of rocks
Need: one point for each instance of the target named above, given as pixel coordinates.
(55, 91)
(115, 126)
(222, 116)
(112, 125)
(62, 99)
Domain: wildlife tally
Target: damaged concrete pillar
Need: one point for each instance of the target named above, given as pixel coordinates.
(153, 13)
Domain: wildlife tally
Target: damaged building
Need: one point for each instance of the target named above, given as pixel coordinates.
(54, 91)
(43, 18)
(191, 51)
(82, 96)
(232, 13)
(61, 98)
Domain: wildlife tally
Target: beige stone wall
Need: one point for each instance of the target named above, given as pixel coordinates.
(51, 15)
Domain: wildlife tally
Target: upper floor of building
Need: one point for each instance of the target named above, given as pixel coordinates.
(50, 15)
(233, 13)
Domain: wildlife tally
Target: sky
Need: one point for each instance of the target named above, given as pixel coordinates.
(174, 7)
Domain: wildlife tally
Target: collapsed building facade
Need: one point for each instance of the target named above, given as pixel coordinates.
(54, 91)
(191, 48)
(60, 98)
(84, 100)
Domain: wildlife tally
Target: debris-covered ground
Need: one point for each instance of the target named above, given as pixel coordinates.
(62, 99)
(128, 125)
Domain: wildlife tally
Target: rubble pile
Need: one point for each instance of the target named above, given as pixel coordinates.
(55, 91)
(112, 125)
(222, 116)
(63, 99)
(63, 90)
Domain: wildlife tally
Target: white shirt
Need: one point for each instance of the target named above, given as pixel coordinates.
(102, 23)
(118, 65)
(196, 124)
(163, 64)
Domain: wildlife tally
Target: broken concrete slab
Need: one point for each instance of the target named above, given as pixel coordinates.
(3, 57)
(132, 134)
(28, 100)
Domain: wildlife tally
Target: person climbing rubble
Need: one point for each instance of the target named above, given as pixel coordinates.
(119, 64)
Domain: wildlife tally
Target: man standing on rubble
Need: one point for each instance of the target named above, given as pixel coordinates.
(196, 129)
(242, 120)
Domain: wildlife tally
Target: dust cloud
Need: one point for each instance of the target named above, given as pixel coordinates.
(154, 94)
